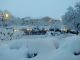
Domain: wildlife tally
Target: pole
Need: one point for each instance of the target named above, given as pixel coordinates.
(2, 27)
(2, 23)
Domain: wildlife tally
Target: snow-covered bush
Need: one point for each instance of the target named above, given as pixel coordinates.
(6, 34)
(34, 46)
(18, 34)
(48, 33)
(72, 44)
(17, 44)
(49, 46)
(43, 46)
(57, 33)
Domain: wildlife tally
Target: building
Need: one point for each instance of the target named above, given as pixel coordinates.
(46, 21)
(26, 20)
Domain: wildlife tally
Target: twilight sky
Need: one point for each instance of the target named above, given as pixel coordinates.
(37, 8)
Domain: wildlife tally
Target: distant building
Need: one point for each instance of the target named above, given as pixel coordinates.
(47, 19)
(39, 22)
(26, 20)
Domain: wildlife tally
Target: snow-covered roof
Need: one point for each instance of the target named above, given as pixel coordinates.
(36, 17)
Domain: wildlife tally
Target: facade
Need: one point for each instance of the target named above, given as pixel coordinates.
(25, 20)
(46, 21)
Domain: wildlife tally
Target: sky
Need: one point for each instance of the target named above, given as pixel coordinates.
(37, 8)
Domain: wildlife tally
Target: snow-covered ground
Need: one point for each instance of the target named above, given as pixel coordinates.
(41, 47)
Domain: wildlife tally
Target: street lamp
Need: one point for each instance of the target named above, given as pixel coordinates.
(46, 29)
(3, 16)
(29, 30)
(64, 30)
(6, 16)
(16, 30)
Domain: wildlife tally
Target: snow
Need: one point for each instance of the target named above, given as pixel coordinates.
(17, 44)
(10, 34)
(35, 46)
(18, 34)
(72, 44)
(48, 33)
(46, 48)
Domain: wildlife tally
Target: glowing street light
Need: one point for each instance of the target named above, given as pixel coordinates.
(16, 30)
(6, 16)
(46, 29)
(29, 29)
(64, 30)
(3, 17)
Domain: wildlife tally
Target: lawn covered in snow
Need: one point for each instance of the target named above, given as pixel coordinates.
(41, 48)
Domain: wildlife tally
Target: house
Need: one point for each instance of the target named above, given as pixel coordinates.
(45, 21)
